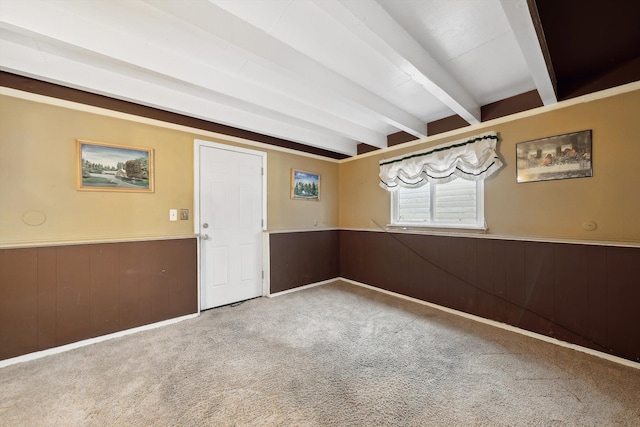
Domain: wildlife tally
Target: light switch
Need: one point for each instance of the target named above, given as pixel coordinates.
(173, 214)
(184, 214)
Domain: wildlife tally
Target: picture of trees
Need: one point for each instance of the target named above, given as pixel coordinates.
(105, 167)
(305, 185)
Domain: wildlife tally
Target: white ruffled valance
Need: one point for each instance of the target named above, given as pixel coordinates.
(472, 159)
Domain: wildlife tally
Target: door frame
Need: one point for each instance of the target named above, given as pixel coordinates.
(199, 143)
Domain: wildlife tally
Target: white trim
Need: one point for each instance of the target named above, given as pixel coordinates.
(266, 264)
(42, 99)
(302, 230)
(607, 93)
(504, 326)
(300, 288)
(84, 343)
(47, 243)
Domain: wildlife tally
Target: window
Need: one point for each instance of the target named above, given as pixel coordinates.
(456, 204)
(442, 186)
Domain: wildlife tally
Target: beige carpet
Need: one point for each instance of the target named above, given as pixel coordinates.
(335, 355)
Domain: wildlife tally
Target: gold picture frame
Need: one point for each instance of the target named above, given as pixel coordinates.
(305, 185)
(111, 167)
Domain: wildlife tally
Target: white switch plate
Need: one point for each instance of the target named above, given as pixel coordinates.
(173, 214)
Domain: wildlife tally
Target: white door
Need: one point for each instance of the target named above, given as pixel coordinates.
(230, 226)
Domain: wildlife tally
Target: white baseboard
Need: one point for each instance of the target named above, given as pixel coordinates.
(300, 288)
(505, 326)
(83, 343)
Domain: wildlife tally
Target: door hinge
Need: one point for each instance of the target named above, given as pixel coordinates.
(262, 171)
(262, 223)
(263, 274)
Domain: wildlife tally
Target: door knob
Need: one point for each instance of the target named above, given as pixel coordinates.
(205, 225)
(205, 237)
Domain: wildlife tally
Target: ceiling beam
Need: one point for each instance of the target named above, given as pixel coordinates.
(275, 53)
(104, 78)
(55, 32)
(382, 33)
(521, 22)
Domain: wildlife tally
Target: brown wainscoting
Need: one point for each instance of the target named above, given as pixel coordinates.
(582, 294)
(51, 296)
(302, 258)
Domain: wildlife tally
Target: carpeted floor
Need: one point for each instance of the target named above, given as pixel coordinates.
(334, 355)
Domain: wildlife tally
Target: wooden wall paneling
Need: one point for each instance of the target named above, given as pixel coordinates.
(515, 288)
(460, 260)
(155, 283)
(491, 279)
(571, 293)
(539, 288)
(359, 256)
(411, 278)
(388, 260)
(129, 294)
(348, 255)
(73, 294)
(302, 258)
(328, 247)
(427, 267)
(367, 253)
(438, 277)
(51, 296)
(105, 312)
(18, 302)
(182, 275)
(542, 287)
(623, 292)
(353, 255)
(596, 284)
(47, 291)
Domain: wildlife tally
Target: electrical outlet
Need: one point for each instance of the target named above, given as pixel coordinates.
(184, 214)
(173, 214)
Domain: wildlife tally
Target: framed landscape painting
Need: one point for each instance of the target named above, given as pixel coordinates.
(108, 167)
(556, 157)
(305, 185)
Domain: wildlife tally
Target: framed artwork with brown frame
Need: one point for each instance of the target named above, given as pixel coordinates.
(556, 157)
(305, 185)
(111, 167)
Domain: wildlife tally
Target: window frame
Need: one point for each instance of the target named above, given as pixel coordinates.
(480, 223)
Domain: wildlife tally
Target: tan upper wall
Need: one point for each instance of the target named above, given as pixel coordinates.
(542, 210)
(38, 173)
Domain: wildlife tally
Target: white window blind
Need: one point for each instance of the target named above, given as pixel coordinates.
(456, 204)
(414, 205)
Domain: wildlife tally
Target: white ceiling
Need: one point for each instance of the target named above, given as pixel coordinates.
(324, 73)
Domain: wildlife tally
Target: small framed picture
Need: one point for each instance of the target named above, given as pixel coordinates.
(108, 167)
(305, 185)
(556, 157)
